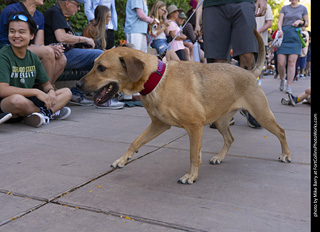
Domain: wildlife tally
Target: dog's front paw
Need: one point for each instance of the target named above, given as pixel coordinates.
(188, 179)
(120, 163)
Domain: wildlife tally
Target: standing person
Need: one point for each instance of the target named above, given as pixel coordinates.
(302, 59)
(58, 30)
(232, 22)
(136, 24)
(290, 18)
(263, 24)
(52, 57)
(19, 69)
(111, 27)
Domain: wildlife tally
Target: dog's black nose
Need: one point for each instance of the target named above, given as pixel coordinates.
(79, 84)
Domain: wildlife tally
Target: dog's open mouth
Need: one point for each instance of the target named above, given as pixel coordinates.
(105, 93)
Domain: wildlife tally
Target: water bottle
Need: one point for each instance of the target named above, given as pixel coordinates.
(196, 51)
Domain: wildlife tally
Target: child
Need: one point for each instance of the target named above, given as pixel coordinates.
(19, 70)
(294, 100)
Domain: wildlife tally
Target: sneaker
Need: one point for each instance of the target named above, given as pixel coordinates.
(213, 125)
(281, 87)
(61, 114)
(5, 117)
(289, 102)
(36, 119)
(252, 122)
(111, 104)
(78, 98)
(288, 89)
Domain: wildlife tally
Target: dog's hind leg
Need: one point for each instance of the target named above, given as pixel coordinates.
(222, 125)
(195, 137)
(258, 107)
(155, 129)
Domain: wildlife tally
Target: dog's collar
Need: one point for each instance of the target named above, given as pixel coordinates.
(154, 79)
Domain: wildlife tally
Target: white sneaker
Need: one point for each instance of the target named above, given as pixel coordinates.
(36, 120)
(111, 104)
(5, 117)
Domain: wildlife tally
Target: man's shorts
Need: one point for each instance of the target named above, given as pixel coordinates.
(229, 26)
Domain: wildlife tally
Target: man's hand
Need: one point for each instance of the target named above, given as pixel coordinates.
(261, 8)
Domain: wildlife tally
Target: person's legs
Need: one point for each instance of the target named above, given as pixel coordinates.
(292, 59)
(78, 58)
(247, 61)
(18, 106)
(217, 33)
(139, 40)
(60, 64)
(47, 57)
(63, 97)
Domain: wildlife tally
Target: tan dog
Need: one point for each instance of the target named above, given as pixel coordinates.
(189, 95)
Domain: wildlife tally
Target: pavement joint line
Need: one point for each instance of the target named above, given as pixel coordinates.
(112, 170)
(127, 216)
(20, 215)
(55, 198)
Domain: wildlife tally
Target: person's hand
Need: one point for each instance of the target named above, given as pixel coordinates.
(58, 50)
(45, 98)
(261, 8)
(280, 33)
(197, 30)
(52, 98)
(90, 42)
(297, 23)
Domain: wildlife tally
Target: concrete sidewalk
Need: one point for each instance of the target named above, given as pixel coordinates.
(58, 177)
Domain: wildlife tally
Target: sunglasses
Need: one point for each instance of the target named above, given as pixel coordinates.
(19, 17)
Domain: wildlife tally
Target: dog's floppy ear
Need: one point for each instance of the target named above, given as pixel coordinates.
(133, 66)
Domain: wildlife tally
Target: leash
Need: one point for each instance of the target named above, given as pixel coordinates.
(160, 56)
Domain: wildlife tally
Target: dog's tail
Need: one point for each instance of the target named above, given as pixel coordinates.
(261, 56)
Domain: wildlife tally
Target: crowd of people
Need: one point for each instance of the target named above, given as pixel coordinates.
(36, 48)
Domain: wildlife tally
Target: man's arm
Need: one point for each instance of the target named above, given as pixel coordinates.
(67, 38)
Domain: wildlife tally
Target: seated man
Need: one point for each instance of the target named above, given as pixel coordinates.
(58, 30)
(19, 70)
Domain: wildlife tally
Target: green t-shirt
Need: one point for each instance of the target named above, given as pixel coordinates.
(22, 73)
(208, 3)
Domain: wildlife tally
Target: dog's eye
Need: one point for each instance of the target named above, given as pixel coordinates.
(101, 68)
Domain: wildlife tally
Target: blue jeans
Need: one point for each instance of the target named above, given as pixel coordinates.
(79, 58)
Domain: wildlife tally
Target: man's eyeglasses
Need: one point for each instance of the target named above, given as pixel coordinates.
(74, 3)
(20, 17)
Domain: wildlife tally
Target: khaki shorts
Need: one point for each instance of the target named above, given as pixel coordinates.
(229, 25)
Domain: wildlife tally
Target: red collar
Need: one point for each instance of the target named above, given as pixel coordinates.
(154, 79)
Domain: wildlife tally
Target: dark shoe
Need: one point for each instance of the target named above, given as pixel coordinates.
(213, 125)
(250, 120)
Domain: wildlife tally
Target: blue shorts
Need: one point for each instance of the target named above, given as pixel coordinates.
(160, 45)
